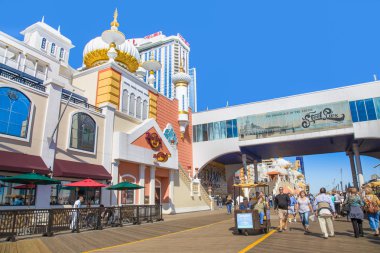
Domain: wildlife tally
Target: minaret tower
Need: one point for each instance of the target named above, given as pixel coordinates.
(181, 82)
(113, 37)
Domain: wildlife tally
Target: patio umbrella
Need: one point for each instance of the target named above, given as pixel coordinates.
(87, 183)
(30, 178)
(125, 186)
(25, 186)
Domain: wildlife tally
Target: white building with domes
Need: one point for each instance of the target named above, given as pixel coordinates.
(102, 121)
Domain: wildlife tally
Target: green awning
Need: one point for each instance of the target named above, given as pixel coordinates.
(30, 178)
(125, 186)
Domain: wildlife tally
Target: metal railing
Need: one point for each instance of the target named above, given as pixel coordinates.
(46, 222)
(81, 103)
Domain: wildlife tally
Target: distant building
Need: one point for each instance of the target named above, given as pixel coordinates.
(170, 52)
(193, 90)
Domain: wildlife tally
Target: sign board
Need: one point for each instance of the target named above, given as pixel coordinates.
(295, 121)
(244, 221)
(153, 35)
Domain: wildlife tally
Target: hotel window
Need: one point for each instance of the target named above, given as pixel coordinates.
(199, 133)
(371, 114)
(223, 130)
(83, 131)
(132, 105)
(52, 49)
(62, 53)
(229, 129)
(15, 110)
(61, 195)
(12, 194)
(216, 130)
(361, 110)
(210, 127)
(43, 43)
(354, 112)
(204, 132)
(124, 101)
(138, 108)
(145, 110)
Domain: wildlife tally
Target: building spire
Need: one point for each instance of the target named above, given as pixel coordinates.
(114, 22)
(43, 19)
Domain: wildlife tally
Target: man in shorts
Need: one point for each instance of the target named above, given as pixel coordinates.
(281, 205)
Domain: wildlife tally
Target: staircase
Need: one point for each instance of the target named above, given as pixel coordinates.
(185, 177)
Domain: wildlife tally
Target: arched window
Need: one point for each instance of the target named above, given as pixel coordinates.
(52, 49)
(138, 108)
(62, 53)
(43, 43)
(14, 112)
(128, 196)
(83, 130)
(124, 101)
(132, 105)
(145, 110)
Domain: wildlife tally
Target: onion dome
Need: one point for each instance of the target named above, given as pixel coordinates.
(181, 77)
(95, 51)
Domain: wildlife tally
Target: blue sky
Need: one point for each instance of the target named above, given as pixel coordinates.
(244, 51)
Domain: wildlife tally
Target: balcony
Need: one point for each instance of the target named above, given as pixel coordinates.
(13, 70)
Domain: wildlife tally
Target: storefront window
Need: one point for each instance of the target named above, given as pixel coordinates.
(210, 131)
(204, 132)
(17, 194)
(361, 110)
(61, 195)
(370, 109)
(127, 197)
(229, 129)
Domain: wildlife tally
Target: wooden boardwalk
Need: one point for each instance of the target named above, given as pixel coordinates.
(197, 232)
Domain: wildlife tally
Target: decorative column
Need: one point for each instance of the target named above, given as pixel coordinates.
(48, 145)
(152, 185)
(256, 171)
(141, 183)
(108, 110)
(19, 61)
(353, 169)
(115, 180)
(171, 190)
(24, 63)
(46, 72)
(5, 55)
(355, 148)
(35, 68)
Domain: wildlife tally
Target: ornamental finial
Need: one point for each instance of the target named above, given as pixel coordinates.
(114, 22)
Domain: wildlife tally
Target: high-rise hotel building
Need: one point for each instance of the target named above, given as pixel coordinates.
(170, 51)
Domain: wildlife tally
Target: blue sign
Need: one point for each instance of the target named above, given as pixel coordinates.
(244, 221)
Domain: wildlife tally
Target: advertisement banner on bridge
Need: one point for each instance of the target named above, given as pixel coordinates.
(295, 121)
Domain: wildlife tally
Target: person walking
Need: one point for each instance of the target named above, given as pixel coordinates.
(337, 203)
(260, 207)
(304, 208)
(229, 202)
(292, 211)
(355, 203)
(281, 205)
(270, 197)
(372, 204)
(75, 214)
(325, 210)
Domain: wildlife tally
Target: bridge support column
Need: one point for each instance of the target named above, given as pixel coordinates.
(355, 148)
(353, 169)
(256, 171)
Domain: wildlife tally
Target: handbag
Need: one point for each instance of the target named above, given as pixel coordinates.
(371, 207)
(346, 208)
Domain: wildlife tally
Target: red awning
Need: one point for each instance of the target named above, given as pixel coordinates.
(64, 168)
(22, 163)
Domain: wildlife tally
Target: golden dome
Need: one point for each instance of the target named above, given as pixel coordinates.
(95, 51)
